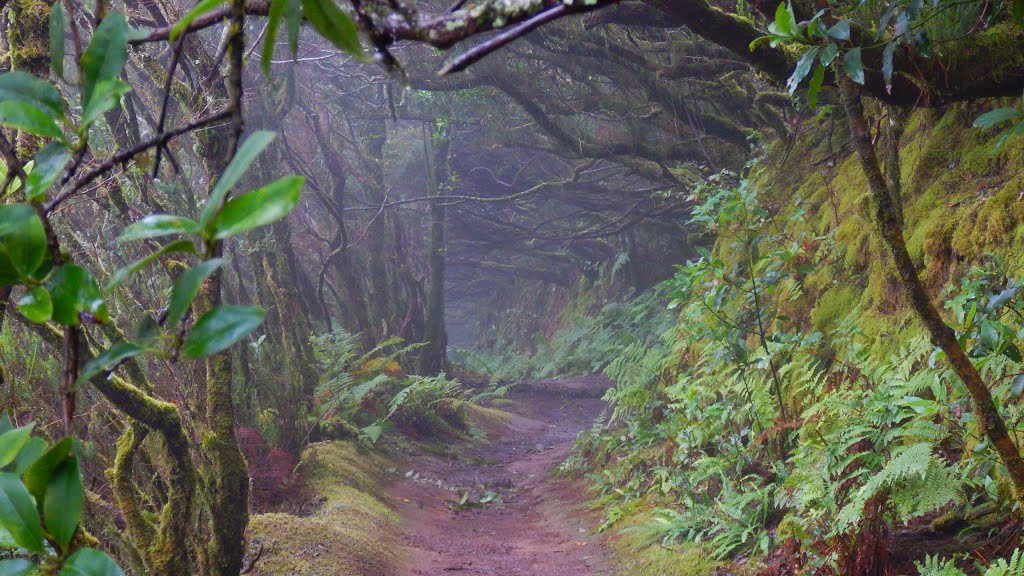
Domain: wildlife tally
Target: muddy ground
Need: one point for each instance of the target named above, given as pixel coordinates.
(518, 517)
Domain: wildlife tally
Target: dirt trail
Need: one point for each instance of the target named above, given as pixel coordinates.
(536, 527)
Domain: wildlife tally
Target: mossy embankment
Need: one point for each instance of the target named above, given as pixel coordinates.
(351, 530)
(961, 204)
(348, 525)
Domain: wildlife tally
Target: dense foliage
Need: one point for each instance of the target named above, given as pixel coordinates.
(771, 424)
(787, 233)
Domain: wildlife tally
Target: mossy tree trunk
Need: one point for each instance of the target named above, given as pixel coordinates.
(289, 330)
(227, 475)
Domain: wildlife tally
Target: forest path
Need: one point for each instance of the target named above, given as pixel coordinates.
(536, 527)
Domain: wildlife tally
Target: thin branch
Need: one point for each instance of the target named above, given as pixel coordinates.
(126, 155)
(175, 56)
(478, 52)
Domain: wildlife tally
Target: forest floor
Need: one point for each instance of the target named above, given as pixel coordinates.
(495, 507)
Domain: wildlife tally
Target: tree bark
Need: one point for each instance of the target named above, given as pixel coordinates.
(434, 358)
(228, 472)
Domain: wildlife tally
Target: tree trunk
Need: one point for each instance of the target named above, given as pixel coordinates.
(227, 475)
(434, 358)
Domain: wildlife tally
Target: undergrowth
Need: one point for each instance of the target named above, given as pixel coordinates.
(367, 394)
(587, 344)
(777, 408)
(761, 439)
(749, 434)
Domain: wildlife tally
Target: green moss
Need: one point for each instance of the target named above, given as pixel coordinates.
(833, 306)
(853, 236)
(319, 546)
(353, 533)
(487, 418)
(334, 469)
(28, 32)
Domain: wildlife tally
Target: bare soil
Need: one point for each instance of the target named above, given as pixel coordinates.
(518, 517)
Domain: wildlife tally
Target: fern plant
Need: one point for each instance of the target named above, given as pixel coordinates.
(933, 566)
(365, 394)
(744, 427)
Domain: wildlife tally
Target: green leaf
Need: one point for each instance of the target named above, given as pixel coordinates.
(989, 336)
(90, 562)
(11, 443)
(76, 296)
(28, 118)
(5, 422)
(814, 88)
(247, 153)
(139, 34)
(37, 305)
(46, 167)
(782, 20)
(6, 539)
(333, 24)
(293, 12)
(37, 476)
(758, 41)
(62, 505)
(803, 67)
(22, 242)
(997, 116)
(794, 28)
(18, 513)
(829, 54)
(122, 274)
(29, 453)
(887, 56)
(814, 26)
(108, 359)
(221, 327)
(106, 96)
(57, 39)
(1018, 11)
(1012, 352)
(853, 66)
(969, 319)
(156, 225)
(841, 30)
(997, 301)
(1017, 385)
(883, 22)
(259, 207)
(186, 287)
(105, 56)
(22, 87)
(277, 10)
(198, 10)
(1016, 130)
(17, 567)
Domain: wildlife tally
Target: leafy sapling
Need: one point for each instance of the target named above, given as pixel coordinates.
(41, 504)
